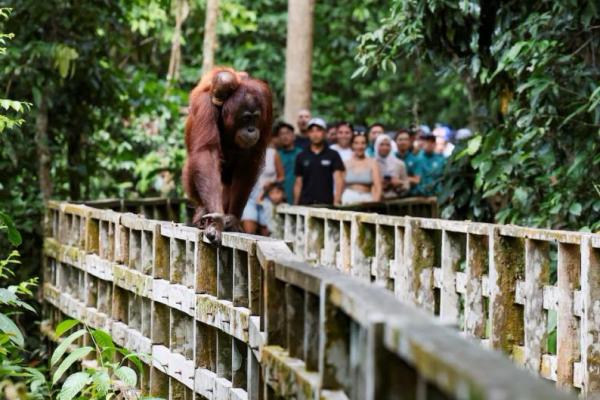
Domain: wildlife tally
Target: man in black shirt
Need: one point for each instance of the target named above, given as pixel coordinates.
(317, 168)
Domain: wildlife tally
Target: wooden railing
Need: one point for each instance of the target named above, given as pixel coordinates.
(250, 320)
(533, 293)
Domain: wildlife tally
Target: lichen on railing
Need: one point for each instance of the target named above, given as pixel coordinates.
(533, 293)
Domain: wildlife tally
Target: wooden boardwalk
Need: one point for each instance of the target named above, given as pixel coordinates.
(251, 319)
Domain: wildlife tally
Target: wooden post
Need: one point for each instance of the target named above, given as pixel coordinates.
(419, 251)
(590, 321)
(537, 272)
(567, 344)
(506, 263)
(477, 254)
(451, 256)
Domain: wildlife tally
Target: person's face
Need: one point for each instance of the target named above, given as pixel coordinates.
(359, 145)
(428, 145)
(384, 148)
(344, 136)
(440, 144)
(374, 132)
(276, 196)
(286, 137)
(303, 118)
(332, 135)
(316, 134)
(403, 142)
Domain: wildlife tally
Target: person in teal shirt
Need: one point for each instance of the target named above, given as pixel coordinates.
(288, 151)
(430, 166)
(411, 160)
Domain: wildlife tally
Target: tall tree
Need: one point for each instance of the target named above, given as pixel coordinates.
(298, 57)
(210, 35)
(182, 10)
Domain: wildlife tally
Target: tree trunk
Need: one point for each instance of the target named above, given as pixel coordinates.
(210, 35)
(182, 10)
(74, 164)
(43, 150)
(298, 57)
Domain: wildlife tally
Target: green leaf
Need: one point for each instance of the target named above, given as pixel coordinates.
(8, 326)
(520, 196)
(65, 326)
(76, 355)
(127, 375)
(14, 237)
(102, 382)
(73, 385)
(575, 209)
(64, 345)
(474, 145)
(105, 343)
(133, 357)
(7, 296)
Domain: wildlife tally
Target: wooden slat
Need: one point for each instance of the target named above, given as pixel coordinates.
(537, 271)
(567, 343)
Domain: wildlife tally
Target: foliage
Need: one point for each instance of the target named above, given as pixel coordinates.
(17, 107)
(15, 375)
(532, 77)
(111, 377)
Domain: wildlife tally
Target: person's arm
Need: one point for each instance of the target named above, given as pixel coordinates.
(298, 182)
(297, 189)
(279, 168)
(338, 178)
(376, 188)
(339, 171)
(403, 180)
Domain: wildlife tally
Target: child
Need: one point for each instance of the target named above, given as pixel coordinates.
(274, 195)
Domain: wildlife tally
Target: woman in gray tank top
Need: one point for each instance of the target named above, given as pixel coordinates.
(362, 182)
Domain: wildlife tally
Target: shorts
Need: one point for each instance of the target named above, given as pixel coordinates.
(351, 196)
(255, 212)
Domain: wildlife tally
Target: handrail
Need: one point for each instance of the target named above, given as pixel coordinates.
(250, 320)
(502, 284)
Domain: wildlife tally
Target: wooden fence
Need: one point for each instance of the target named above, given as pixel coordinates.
(250, 320)
(533, 293)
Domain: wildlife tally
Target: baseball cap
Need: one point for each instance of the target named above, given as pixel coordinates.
(320, 122)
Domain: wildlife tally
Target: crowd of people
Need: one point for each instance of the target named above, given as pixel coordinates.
(338, 164)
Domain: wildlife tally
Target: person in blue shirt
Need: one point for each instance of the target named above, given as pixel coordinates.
(430, 166)
(288, 151)
(405, 153)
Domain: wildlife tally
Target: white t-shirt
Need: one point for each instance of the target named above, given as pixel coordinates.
(345, 154)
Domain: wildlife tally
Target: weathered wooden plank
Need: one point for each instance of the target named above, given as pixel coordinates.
(384, 253)
(294, 300)
(506, 264)
(419, 250)
(568, 336)
(362, 237)
(477, 256)
(311, 331)
(240, 278)
(590, 321)
(537, 272)
(334, 350)
(315, 238)
(206, 270)
(451, 257)
(331, 243)
(225, 273)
